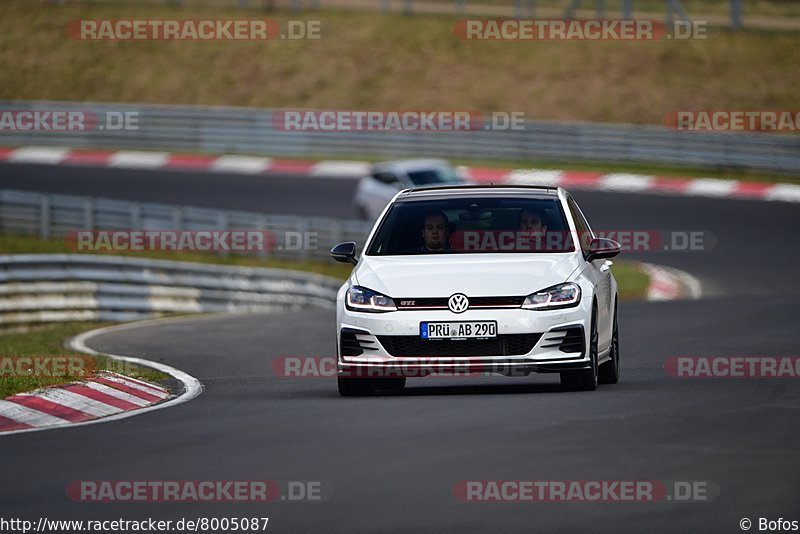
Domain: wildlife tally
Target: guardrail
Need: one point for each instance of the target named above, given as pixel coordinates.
(55, 216)
(38, 288)
(250, 131)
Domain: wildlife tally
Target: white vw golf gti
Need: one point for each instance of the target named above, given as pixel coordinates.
(478, 279)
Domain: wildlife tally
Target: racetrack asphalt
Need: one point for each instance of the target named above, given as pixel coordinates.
(393, 460)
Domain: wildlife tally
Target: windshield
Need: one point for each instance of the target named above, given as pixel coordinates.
(473, 225)
(434, 176)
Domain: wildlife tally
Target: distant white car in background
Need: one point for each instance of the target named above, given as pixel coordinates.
(386, 179)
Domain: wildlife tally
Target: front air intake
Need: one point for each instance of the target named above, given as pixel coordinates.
(353, 342)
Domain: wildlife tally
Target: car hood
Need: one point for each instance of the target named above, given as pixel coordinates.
(502, 274)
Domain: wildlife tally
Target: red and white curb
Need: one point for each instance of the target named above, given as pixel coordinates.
(104, 398)
(667, 283)
(614, 182)
(103, 395)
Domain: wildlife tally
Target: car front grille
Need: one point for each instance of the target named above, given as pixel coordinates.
(474, 302)
(502, 345)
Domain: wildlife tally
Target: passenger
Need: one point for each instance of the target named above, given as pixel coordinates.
(436, 232)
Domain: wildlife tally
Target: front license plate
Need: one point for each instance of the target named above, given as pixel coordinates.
(458, 330)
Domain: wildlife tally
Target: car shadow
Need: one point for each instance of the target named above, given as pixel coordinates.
(471, 389)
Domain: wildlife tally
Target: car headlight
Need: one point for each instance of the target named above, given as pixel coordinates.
(560, 296)
(362, 299)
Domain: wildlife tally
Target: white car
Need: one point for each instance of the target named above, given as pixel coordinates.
(386, 179)
(486, 279)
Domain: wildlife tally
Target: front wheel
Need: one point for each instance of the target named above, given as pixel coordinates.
(584, 379)
(609, 371)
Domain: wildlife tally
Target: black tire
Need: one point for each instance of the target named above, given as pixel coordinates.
(389, 383)
(355, 387)
(364, 387)
(585, 379)
(609, 371)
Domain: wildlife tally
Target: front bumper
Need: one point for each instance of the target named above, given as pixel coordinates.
(388, 344)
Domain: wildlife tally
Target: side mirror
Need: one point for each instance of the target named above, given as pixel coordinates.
(600, 248)
(345, 253)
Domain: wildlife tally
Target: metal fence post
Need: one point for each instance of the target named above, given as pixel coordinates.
(222, 223)
(675, 6)
(600, 9)
(736, 13)
(570, 12)
(44, 218)
(261, 226)
(88, 214)
(177, 218)
(136, 216)
(627, 9)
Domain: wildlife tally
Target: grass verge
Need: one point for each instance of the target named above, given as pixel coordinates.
(48, 341)
(380, 61)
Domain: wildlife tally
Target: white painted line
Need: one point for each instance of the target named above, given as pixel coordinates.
(241, 164)
(535, 177)
(77, 402)
(113, 392)
(138, 160)
(113, 377)
(29, 416)
(667, 283)
(147, 385)
(711, 187)
(36, 154)
(692, 286)
(784, 192)
(341, 169)
(629, 183)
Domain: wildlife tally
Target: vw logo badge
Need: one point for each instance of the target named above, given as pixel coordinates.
(458, 303)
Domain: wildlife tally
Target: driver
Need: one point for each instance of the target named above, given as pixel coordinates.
(531, 223)
(436, 232)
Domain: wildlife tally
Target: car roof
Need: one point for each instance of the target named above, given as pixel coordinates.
(454, 191)
(406, 165)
